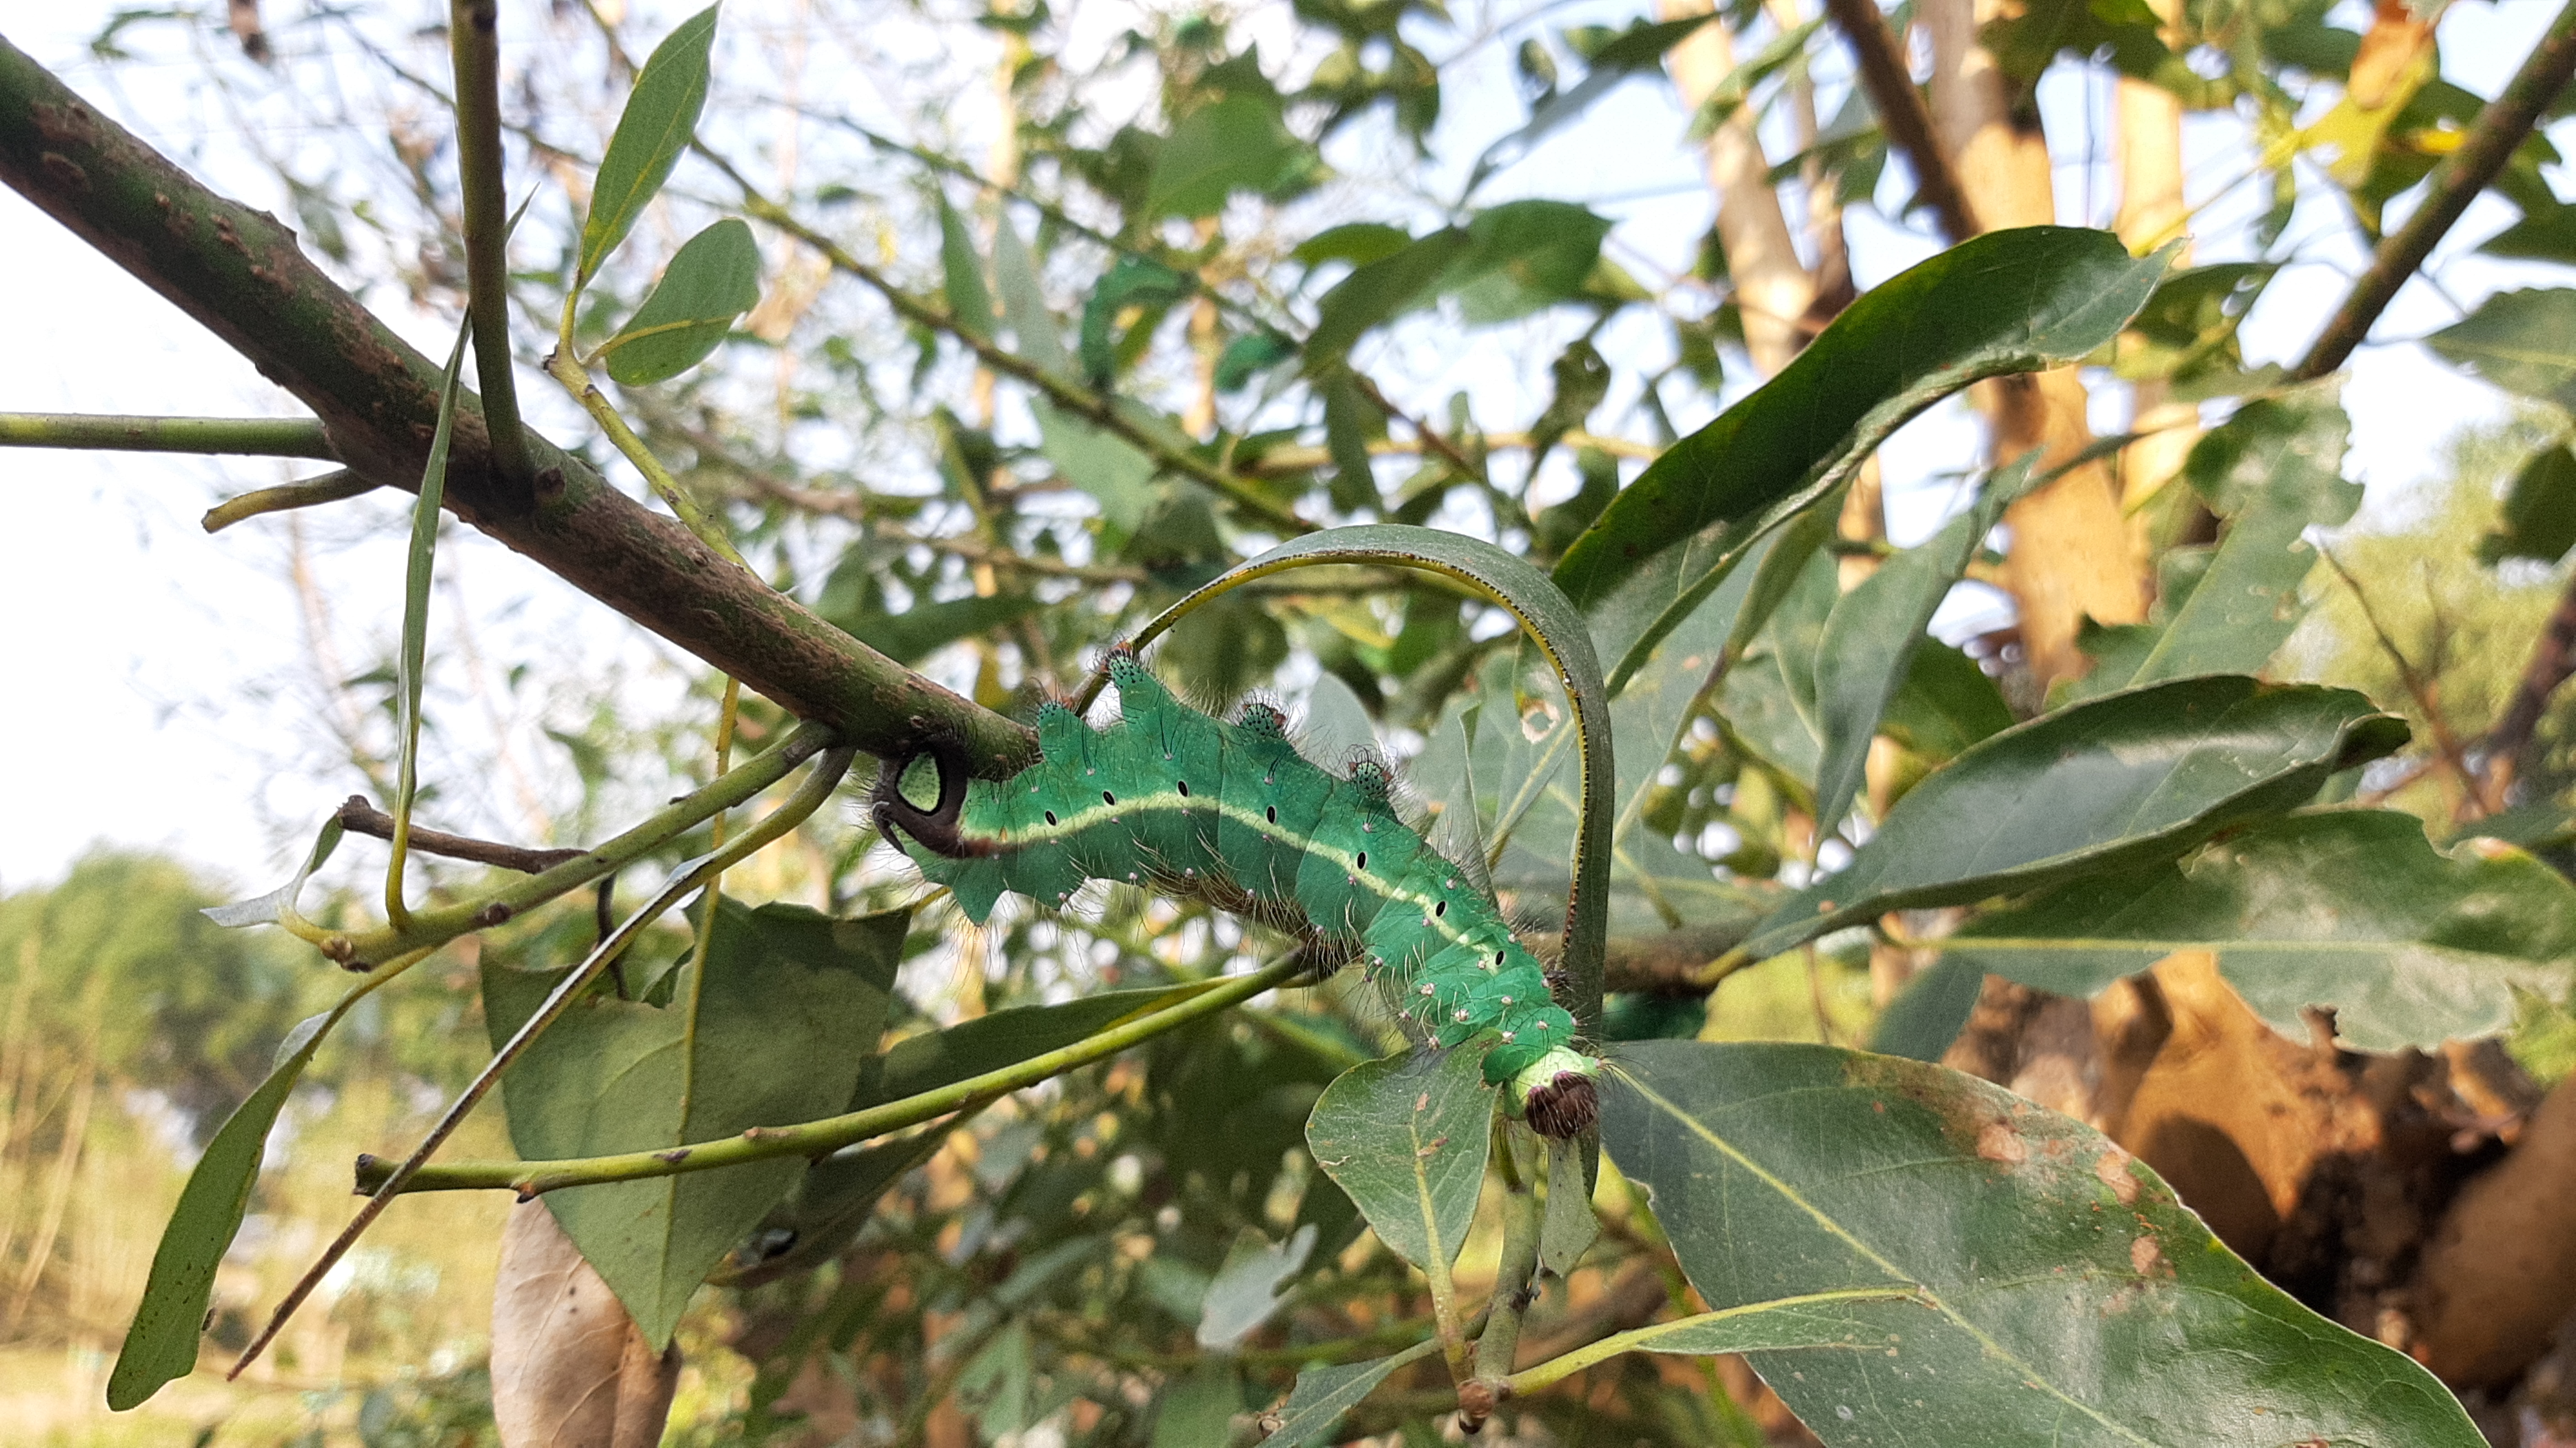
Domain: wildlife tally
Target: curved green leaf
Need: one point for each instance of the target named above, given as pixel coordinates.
(1873, 632)
(714, 278)
(2352, 909)
(2008, 301)
(2121, 782)
(2539, 510)
(660, 119)
(2060, 1295)
(780, 983)
(1323, 1395)
(2520, 341)
(1236, 143)
(1407, 1138)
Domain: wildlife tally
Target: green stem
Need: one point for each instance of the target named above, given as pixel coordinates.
(808, 798)
(436, 927)
(1515, 1282)
(1643, 1339)
(474, 48)
(1082, 402)
(330, 487)
(815, 1138)
(270, 437)
(568, 370)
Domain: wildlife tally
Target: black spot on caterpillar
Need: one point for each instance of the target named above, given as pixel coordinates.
(1269, 836)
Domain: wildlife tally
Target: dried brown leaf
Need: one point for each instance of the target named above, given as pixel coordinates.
(569, 1367)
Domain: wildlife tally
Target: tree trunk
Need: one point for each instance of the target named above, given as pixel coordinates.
(1772, 288)
(2153, 211)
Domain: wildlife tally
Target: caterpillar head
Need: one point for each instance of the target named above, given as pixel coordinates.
(935, 828)
(1558, 1093)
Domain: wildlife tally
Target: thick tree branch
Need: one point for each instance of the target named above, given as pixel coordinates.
(1900, 107)
(475, 49)
(2482, 154)
(268, 437)
(239, 272)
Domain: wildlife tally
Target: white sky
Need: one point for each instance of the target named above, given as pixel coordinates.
(157, 691)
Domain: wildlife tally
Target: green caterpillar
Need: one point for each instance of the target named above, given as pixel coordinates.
(1232, 814)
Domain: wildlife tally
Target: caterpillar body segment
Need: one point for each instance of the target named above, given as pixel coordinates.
(1231, 813)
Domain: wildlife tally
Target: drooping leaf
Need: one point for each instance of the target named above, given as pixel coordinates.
(1133, 281)
(2008, 301)
(1235, 143)
(1947, 704)
(1930, 1012)
(1522, 257)
(1375, 292)
(2119, 782)
(568, 1364)
(1407, 1138)
(660, 118)
(161, 1344)
(712, 279)
(1245, 1290)
(2273, 471)
(279, 903)
(1248, 356)
(2522, 341)
(2054, 1292)
(2350, 909)
(781, 984)
(1323, 1395)
(1568, 1227)
(2539, 510)
(962, 274)
(1870, 638)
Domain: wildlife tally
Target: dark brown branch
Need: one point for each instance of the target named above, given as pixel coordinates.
(2553, 659)
(361, 818)
(2481, 156)
(475, 49)
(239, 272)
(1901, 110)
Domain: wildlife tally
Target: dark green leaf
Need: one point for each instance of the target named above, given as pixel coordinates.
(1248, 356)
(1375, 292)
(2539, 511)
(2056, 1292)
(1349, 425)
(2008, 301)
(1198, 1411)
(1407, 1138)
(1947, 704)
(1568, 1228)
(714, 278)
(770, 1032)
(1132, 282)
(915, 633)
(1870, 639)
(969, 300)
(2350, 909)
(1356, 242)
(1930, 1012)
(2544, 235)
(161, 1345)
(2116, 783)
(1522, 257)
(661, 117)
(1233, 144)
(2522, 341)
(1323, 1395)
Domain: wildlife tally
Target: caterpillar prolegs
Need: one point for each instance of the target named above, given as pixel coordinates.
(1231, 813)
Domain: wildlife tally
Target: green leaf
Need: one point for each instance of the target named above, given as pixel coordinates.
(1034, 333)
(1349, 424)
(1249, 356)
(660, 119)
(1376, 292)
(1522, 257)
(1323, 1395)
(969, 301)
(1133, 281)
(279, 903)
(714, 278)
(770, 1031)
(2057, 1292)
(1356, 242)
(1567, 1229)
(161, 1345)
(1871, 636)
(1198, 1411)
(2116, 783)
(2522, 341)
(1768, 700)
(2273, 470)
(1245, 1290)
(2352, 909)
(1930, 1012)
(2539, 511)
(1233, 144)
(915, 633)
(1407, 1137)
(411, 662)
(1947, 704)
(2007, 301)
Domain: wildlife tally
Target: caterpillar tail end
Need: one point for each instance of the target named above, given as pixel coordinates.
(1558, 1094)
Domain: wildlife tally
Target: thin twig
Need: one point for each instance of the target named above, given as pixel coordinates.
(2553, 658)
(475, 51)
(2418, 688)
(1430, 437)
(361, 818)
(1900, 107)
(330, 487)
(271, 437)
(2482, 153)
